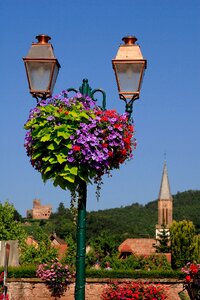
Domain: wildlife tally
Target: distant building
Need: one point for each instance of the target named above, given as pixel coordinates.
(165, 204)
(58, 244)
(39, 211)
(139, 247)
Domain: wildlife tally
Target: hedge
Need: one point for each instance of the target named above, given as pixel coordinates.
(30, 271)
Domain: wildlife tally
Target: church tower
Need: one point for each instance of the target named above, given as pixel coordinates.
(165, 205)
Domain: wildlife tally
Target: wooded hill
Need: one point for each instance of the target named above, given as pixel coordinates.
(139, 220)
(131, 221)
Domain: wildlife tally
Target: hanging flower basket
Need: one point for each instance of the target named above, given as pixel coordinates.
(70, 140)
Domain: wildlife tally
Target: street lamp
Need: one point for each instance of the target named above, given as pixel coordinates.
(129, 66)
(42, 68)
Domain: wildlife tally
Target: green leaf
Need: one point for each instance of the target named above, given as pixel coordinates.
(74, 170)
(47, 169)
(46, 138)
(51, 147)
(57, 140)
(60, 158)
(36, 155)
(65, 135)
(46, 158)
(70, 178)
(84, 115)
(53, 160)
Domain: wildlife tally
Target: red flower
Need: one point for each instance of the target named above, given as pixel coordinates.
(110, 153)
(123, 152)
(76, 148)
(105, 119)
(194, 268)
(104, 145)
(188, 278)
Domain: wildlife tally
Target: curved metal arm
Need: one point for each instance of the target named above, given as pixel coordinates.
(72, 90)
(85, 89)
(104, 97)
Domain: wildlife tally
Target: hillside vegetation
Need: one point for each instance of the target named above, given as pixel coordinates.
(131, 221)
(139, 220)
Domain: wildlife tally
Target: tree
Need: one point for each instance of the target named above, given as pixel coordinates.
(10, 229)
(62, 222)
(70, 257)
(182, 235)
(102, 246)
(197, 248)
(42, 252)
(162, 245)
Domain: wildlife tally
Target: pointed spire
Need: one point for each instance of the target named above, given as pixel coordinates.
(165, 193)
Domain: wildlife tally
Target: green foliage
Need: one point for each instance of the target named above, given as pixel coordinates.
(139, 274)
(124, 222)
(40, 253)
(182, 243)
(197, 248)
(29, 271)
(51, 142)
(25, 271)
(10, 229)
(153, 262)
(70, 255)
(62, 222)
(127, 221)
(102, 246)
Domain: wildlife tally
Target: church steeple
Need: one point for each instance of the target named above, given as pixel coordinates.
(165, 187)
(165, 208)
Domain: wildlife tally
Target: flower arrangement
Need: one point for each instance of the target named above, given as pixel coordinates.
(134, 291)
(70, 140)
(2, 296)
(192, 280)
(56, 275)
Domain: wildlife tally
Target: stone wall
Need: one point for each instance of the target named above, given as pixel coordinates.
(32, 289)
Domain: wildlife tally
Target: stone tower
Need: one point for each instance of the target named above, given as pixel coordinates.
(165, 203)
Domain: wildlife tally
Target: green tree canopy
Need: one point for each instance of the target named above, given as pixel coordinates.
(10, 229)
(182, 236)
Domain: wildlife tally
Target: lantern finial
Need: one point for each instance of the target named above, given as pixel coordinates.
(43, 38)
(129, 40)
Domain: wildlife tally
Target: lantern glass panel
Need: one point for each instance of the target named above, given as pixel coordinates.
(55, 74)
(39, 75)
(129, 75)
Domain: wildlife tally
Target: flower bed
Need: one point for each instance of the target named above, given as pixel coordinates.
(134, 290)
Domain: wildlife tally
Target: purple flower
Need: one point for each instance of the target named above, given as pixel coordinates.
(50, 118)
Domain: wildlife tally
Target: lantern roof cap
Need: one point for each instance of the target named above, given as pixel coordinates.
(42, 49)
(129, 50)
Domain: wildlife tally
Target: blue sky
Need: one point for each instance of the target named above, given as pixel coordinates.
(86, 36)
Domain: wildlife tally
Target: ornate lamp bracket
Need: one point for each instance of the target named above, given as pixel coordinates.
(129, 103)
(85, 89)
